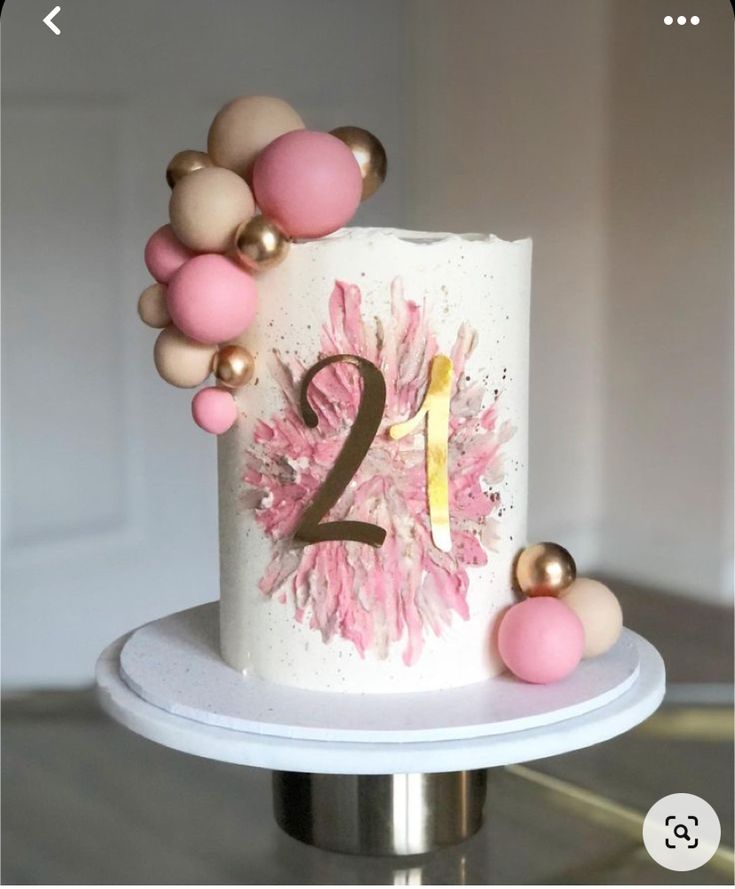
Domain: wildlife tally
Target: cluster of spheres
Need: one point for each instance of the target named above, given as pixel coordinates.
(563, 618)
(264, 181)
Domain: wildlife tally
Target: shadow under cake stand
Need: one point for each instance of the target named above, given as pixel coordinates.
(371, 774)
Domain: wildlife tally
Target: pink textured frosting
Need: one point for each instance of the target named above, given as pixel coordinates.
(407, 588)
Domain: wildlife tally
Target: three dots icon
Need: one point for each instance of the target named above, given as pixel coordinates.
(681, 20)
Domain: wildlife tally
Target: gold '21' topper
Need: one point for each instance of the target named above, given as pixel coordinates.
(435, 407)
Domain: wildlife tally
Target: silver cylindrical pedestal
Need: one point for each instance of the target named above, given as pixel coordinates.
(380, 814)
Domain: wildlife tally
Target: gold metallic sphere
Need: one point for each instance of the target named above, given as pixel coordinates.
(369, 154)
(260, 244)
(545, 569)
(185, 162)
(233, 366)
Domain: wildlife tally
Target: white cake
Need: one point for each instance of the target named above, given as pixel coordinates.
(418, 612)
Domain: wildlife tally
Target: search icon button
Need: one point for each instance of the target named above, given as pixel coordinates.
(681, 831)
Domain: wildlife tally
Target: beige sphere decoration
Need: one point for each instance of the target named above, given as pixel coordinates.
(152, 306)
(180, 361)
(600, 612)
(243, 128)
(207, 206)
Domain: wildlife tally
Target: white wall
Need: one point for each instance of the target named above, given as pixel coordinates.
(109, 490)
(607, 136)
(667, 437)
(511, 136)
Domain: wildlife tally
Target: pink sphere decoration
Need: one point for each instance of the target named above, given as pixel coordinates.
(211, 299)
(214, 410)
(541, 639)
(165, 254)
(307, 182)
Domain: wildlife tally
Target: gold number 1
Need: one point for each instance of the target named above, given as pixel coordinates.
(435, 407)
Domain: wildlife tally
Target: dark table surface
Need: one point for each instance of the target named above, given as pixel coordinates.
(85, 801)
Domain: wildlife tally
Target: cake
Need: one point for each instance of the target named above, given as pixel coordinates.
(371, 403)
(405, 616)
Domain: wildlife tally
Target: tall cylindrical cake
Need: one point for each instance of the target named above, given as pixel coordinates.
(373, 489)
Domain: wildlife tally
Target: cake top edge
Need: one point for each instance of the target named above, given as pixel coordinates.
(414, 237)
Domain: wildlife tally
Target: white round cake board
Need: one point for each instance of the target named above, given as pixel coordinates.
(330, 756)
(175, 664)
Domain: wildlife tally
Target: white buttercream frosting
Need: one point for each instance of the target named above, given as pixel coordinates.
(336, 619)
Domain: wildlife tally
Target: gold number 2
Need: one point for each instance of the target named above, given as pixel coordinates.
(357, 444)
(435, 407)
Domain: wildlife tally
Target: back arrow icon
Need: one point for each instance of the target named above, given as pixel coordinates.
(49, 20)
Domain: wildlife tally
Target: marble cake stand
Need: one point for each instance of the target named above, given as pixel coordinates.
(388, 774)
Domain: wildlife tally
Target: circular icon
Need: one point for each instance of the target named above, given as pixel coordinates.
(681, 831)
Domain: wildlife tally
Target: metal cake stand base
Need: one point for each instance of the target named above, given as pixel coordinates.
(409, 775)
(404, 814)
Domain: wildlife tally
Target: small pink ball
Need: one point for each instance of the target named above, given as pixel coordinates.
(308, 182)
(211, 299)
(541, 640)
(214, 410)
(165, 254)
